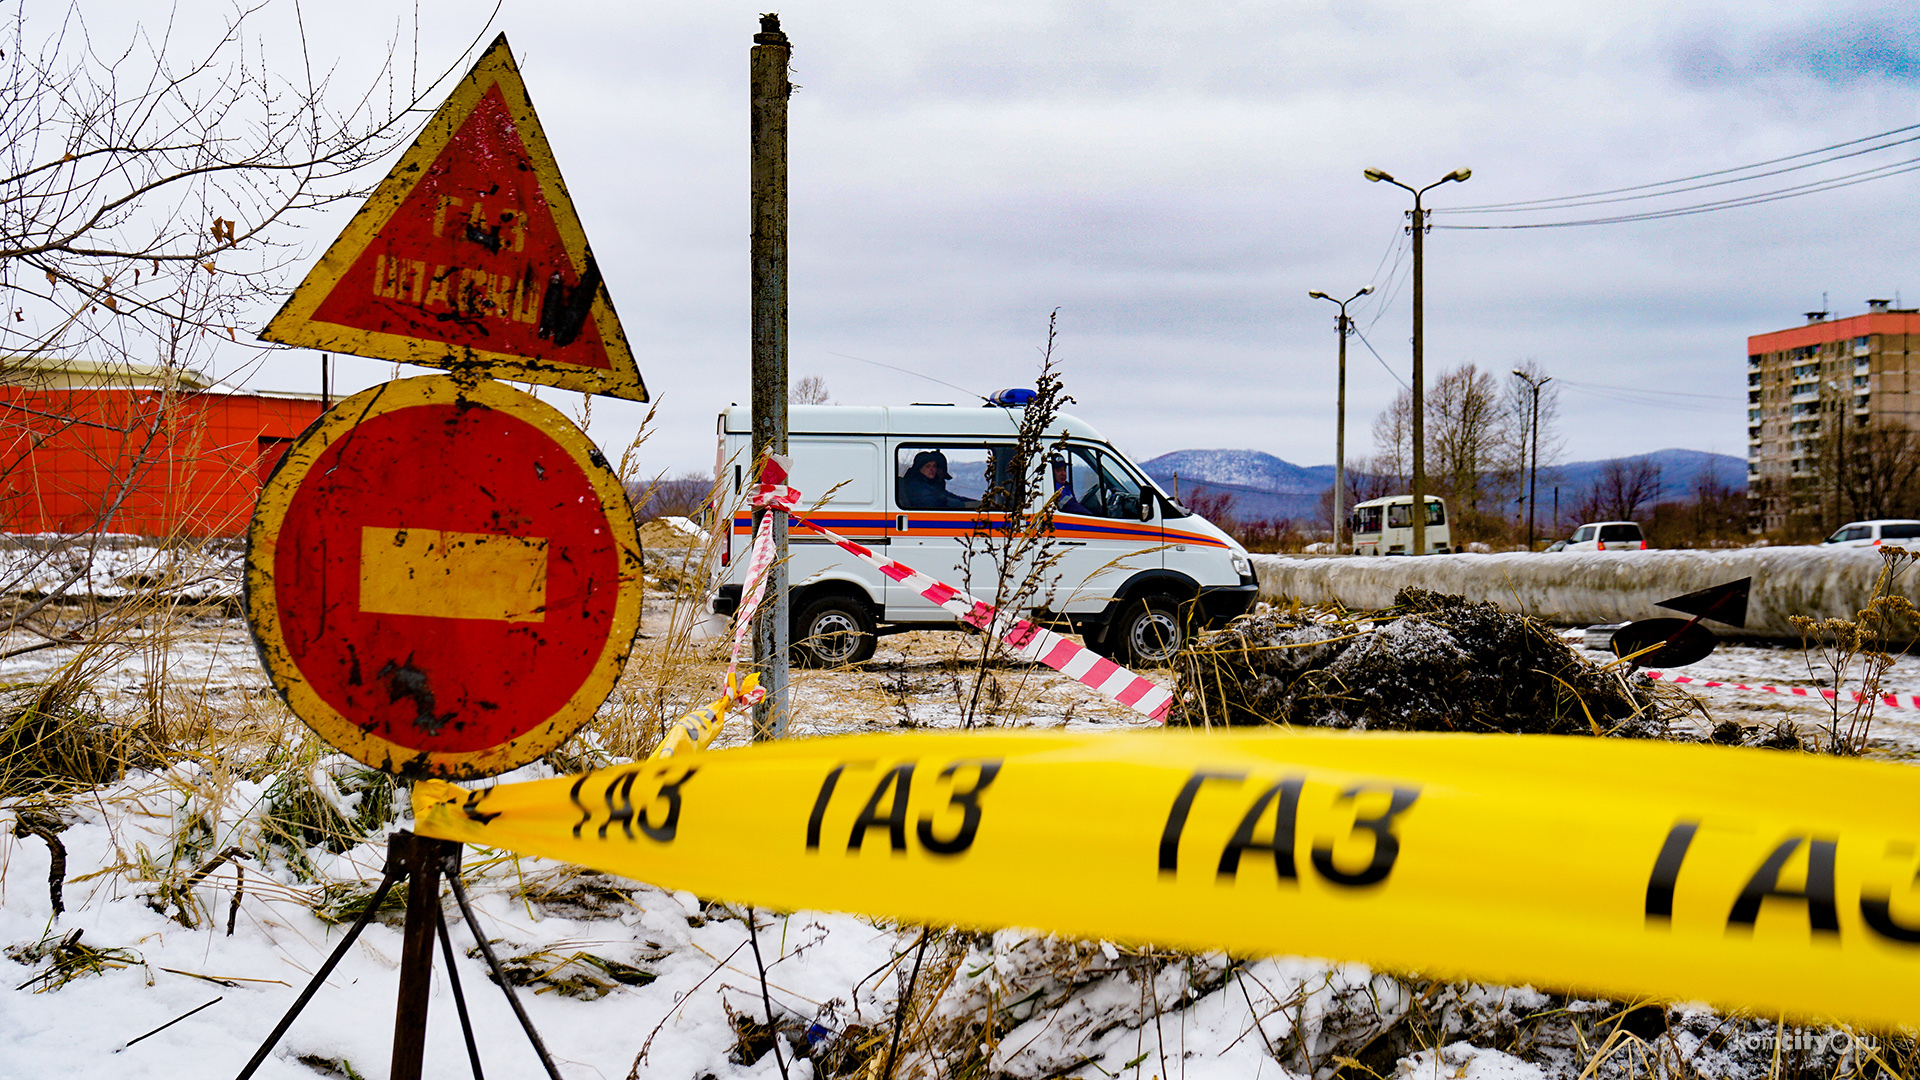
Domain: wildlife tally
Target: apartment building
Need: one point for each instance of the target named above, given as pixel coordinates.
(1809, 389)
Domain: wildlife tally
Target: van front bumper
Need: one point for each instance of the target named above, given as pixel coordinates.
(1221, 604)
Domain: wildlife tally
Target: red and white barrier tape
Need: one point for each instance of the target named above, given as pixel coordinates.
(1898, 701)
(1030, 642)
(697, 729)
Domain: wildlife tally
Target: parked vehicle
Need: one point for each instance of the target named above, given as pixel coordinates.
(1904, 532)
(1385, 526)
(1136, 571)
(1607, 536)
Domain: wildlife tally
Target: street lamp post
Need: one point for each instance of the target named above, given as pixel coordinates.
(1533, 470)
(1345, 326)
(1419, 226)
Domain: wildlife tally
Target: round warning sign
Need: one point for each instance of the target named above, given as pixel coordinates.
(443, 577)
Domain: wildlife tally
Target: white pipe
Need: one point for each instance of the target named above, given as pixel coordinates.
(1590, 588)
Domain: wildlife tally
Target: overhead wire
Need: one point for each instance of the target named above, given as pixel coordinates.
(1699, 176)
(1831, 184)
(1383, 362)
(1572, 201)
(1658, 399)
(1825, 155)
(1401, 272)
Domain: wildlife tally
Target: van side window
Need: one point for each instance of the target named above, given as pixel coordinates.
(1399, 515)
(1367, 520)
(1584, 533)
(935, 477)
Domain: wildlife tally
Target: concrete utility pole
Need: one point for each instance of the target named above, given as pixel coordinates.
(770, 90)
(1419, 219)
(1340, 420)
(1533, 471)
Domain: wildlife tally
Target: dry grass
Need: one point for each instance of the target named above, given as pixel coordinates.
(217, 756)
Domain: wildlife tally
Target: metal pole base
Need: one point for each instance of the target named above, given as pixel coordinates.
(422, 863)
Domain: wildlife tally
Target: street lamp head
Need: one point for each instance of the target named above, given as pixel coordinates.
(1317, 295)
(1365, 291)
(1518, 374)
(1458, 175)
(1376, 176)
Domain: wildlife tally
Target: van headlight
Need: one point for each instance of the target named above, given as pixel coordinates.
(1242, 565)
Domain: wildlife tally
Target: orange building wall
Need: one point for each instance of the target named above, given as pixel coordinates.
(139, 461)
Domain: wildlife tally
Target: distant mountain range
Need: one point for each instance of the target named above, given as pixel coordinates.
(1266, 486)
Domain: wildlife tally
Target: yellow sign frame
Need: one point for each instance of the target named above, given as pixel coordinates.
(295, 324)
(263, 597)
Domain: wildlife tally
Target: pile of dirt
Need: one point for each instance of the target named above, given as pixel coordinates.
(1431, 663)
(671, 534)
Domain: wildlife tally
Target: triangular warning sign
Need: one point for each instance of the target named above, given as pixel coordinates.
(469, 256)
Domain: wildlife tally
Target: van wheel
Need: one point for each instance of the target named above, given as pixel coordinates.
(1149, 632)
(833, 631)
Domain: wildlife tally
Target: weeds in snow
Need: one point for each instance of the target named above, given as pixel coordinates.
(68, 958)
(1857, 652)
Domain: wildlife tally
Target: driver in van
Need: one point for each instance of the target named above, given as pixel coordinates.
(924, 487)
(1063, 487)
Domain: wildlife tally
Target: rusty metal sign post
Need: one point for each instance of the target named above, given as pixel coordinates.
(469, 256)
(443, 574)
(442, 579)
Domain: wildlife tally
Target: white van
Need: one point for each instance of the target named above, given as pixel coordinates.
(1385, 526)
(1137, 572)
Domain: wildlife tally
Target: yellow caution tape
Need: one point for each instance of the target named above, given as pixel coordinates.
(1783, 883)
(697, 729)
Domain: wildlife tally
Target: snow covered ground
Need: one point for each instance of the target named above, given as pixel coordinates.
(623, 979)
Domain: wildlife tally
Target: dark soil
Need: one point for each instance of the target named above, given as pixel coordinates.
(1431, 663)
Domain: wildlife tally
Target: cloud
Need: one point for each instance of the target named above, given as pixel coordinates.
(1838, 48)
(1175, 178)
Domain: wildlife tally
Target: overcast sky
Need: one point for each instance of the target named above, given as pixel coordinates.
(1175, 178)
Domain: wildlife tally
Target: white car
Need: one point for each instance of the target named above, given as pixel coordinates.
(1902, 531)
(1607, 536)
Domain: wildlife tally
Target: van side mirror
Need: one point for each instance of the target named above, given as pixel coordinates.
(1146, 507)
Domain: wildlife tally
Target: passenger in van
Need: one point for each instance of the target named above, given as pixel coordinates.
(1063, 487)
(925, 485)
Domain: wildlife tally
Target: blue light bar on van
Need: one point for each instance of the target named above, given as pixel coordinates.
(1014, 398)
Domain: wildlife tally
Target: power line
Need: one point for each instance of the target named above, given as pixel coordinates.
(1377, 356)
(1657, 399)
(1698, 176)
(1661, 393)
(1575, 200)
(1830, 184)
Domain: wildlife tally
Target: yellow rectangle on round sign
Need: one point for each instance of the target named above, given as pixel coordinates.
(453, 575)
